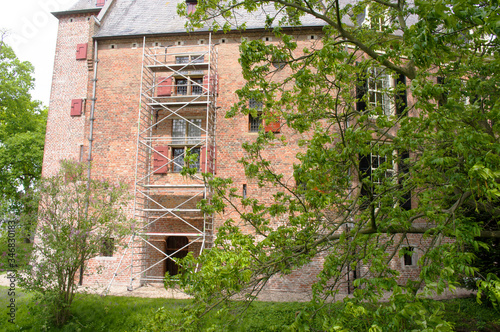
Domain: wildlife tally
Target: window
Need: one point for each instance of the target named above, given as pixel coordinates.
(278, 63)
(181, 86)
(107, 247)
(181, 59)
(378, 84)
(187, 133)
(376, 89)
(255, 122)
(196, 86)
(368, 167)
(409, 256)
(191, 86)
(375, 18)
(403, 170)
(178, 155)
(187, 59)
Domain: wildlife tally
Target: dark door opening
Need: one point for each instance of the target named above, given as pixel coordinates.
(173, 244)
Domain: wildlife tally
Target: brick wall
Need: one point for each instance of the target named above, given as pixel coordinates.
(115, 139)
(65, 134)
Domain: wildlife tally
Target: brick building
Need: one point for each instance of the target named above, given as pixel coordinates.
(134, 93)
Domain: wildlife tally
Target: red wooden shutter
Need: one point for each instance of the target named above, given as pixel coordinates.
(160, 158)
(210, 165)
(76, 107)
(81, 51)
(164, 88)
(203, 162)
(274, 126)
(191, 7)
(100, 3)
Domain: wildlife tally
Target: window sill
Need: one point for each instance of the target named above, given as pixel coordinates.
(107, 258)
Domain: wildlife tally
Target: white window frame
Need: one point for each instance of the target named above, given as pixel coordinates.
(380, 87)
(186, 141)
(380, 25)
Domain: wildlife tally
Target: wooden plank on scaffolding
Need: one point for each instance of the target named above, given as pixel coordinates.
(174, 234)
(177, 67)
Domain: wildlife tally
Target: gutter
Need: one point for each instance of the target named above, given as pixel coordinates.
(78, 11)
(91, 137)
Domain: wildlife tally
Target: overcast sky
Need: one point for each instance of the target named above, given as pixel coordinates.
(32, 35)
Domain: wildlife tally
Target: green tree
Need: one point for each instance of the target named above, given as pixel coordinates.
(22, 135)
(341, 205)
(77, 219)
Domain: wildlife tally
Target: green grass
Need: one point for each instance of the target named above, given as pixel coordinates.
(467, 315)
(89, 313)
(113, 313)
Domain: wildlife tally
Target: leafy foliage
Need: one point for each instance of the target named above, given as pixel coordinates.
(75, 217)
(333, 207)
(22, 136)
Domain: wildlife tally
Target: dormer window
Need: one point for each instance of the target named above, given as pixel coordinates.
(191, 6)
(375, 19)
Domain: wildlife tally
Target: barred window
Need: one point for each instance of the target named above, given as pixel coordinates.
(255, 122)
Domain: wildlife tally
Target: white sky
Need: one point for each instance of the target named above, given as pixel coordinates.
(32, 35)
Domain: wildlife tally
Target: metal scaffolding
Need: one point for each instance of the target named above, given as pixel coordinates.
(176, 129)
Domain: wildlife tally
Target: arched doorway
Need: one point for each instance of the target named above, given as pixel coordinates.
(173, 244)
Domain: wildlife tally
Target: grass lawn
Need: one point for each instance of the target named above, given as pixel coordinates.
(114, 313)
(90, 313)
(21, 255)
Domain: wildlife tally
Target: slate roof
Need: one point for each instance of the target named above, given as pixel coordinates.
(150, 17)
(120, 18)
(81, 6)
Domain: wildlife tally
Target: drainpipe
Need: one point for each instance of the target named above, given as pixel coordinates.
(91, 136)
